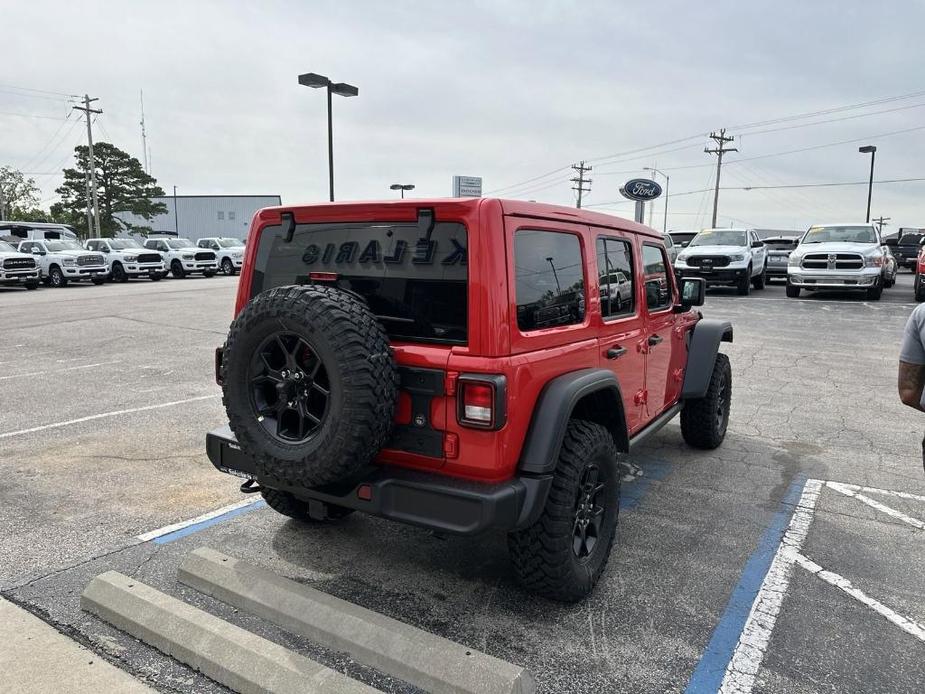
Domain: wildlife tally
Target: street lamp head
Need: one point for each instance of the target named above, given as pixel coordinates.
(396, 186)
(867, 149)
(344, 89)
(313, 80)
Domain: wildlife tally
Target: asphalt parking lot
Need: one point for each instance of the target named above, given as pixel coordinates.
(108, 391)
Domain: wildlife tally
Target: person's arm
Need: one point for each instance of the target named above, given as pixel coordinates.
(911, 384)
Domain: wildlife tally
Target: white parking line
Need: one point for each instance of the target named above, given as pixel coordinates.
(167, 529)
(755, 636)
(907, 625)
(54, 371)
(888, 510)
(103, 415)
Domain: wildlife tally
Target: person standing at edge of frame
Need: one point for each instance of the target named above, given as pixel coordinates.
(912, 364)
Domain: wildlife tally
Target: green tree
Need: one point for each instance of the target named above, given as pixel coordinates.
(122, 186)
(20, 197)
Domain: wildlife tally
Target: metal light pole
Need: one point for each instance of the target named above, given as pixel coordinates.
(316, 81)
(402, 187)
(872, 151)
(667, 181)
(176, 219)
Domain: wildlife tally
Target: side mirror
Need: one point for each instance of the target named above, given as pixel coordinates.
(693, 292)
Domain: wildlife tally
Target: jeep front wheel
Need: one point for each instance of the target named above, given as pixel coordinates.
(919, 289)
(288, 505)
(310, 384)
(704, 420)
(563, 554)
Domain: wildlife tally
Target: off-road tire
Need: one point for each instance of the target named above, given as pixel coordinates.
(919, 289)
(875, 292)
(228, 267)
(792, 292)
(98, 280)
(702, 424)
(32, 284)
(118, 273)
(361, 371)
(176, 269)
(286, 504)
(56, 277)
(542, 554)
(744, 285)
(761, 280)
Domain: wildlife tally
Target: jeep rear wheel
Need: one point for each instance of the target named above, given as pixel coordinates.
(704, 421)
(310, 384)
(563, 554)
(288, 505)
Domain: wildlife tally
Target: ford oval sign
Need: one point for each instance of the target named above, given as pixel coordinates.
(641, 190)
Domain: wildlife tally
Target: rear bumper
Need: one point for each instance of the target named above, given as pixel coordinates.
(428, 500)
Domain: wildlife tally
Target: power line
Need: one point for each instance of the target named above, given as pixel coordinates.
(580, 181)
(37, 91)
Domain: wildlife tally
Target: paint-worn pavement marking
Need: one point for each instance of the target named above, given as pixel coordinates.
(742, 670)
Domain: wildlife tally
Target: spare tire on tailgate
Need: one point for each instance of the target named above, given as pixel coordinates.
(309, 384)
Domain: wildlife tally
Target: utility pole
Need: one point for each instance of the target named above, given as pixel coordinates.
(881, 222)
(720, 139)
(2, 204)
(581, 180)
(91, 165)
(144, 135)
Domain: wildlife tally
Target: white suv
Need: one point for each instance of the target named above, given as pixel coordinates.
(127, 258)
(838, 256)
(182, 258)
(61, 261)
(229, 251)
(17, 268)
(732, 257)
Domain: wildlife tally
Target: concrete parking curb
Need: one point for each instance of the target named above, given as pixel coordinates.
(431, 662)
(234, 657)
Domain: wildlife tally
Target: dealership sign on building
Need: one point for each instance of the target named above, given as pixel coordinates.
(467, 186)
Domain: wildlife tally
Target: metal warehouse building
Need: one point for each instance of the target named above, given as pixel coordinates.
(197, 216)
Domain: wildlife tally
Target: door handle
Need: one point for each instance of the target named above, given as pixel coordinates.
(654, 340)
(616, 352)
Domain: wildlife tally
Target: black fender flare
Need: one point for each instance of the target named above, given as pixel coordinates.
(592, 394)
(702, 348)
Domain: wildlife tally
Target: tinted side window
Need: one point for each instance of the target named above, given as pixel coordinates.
(25, 247)
(615, 277)
(550, 279)
(658, 287)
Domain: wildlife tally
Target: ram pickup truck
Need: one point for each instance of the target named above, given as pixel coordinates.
(846, 256)
(228, 251)
(126, 258)
(906, 248)
(182, 258)
(17, 269)
(62, 261)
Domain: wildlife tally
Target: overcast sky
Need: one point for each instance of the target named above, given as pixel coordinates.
(505, 90)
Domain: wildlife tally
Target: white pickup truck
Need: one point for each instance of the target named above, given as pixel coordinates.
(61, 261)
(17, 268)
(229, 251)
(732, 257)
(839, 256)
(127, 258)
(182, 258)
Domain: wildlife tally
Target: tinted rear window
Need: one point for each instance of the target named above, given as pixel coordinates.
(781, 245)
(417, 288)
(910, 239)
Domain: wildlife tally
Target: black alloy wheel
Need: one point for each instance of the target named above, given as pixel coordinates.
(589, 513)
(289, 388)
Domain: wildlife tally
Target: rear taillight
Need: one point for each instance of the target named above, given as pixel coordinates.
(482, 401)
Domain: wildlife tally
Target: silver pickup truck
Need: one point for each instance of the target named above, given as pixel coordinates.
(838, 256)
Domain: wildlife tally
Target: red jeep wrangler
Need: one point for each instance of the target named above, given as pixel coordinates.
(463, 365)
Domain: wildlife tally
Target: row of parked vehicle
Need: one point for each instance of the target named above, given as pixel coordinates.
(56, 258)
(850, 256)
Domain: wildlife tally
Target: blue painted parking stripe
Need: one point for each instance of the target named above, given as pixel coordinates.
(653, 470)
(709, 672)
(196, 527)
